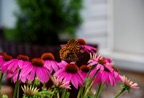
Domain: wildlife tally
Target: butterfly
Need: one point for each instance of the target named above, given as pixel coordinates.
(70, 51)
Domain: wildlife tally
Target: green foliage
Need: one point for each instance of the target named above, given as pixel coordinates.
(39, 21)
(4, 96)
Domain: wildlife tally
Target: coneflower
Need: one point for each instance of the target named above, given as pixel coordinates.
(36, 69)
(49, 62)
(85, 47)
(60, 83)
(70, 72)
(29, 90)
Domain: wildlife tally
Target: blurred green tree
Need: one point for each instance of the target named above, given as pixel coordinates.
(41, 21)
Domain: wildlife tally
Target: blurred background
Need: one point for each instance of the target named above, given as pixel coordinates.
(115, 26)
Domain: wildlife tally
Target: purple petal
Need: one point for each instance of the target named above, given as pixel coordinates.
(9, 62)
(9, 75)
(62, 64)
(6, 65)
(79, 79)
(74, 81)
(31, 76)
(13, 66)
(68, 77)
(58, 72)
(47, 65)
(42, 74)
(111, 79)
(15, 76)
(54, 66)
(26, 70)
(62, 76)
(23, 79)
(104, 76)
(20, 63)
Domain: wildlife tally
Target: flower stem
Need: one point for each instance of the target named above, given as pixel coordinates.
(44, 86)
(63, 93)
(80, 93)
(119, 93)
(16, 89)
(99, 90)
(58, 95)
(1, 76)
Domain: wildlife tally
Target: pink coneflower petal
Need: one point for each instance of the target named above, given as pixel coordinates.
(104, 76)
(5, 66)
(61, 75)
(13, 65)
(47, 65)
(36, 69)
(65, 85)
(111, 80)
(74, 82)
(51, 65)
(129, 83)
(9, 75)
(12, 75)
(56, 68)
(15, 76)
(83, 75)
(22, 63)
(49, 62)
(135, 85)
(70, 72)
(23, 79)
(61, 84)
(68, 77)
(59, 72)
(26, 70)
(42, 74)
(3, 59)
(86, 47)
(63, 64)
(89, 49)
(117, 76)
(31, 75)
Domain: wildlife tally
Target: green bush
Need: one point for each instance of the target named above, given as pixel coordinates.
(41, 21)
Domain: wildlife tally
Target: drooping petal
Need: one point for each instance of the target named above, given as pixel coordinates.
(62, 64)
(9, 75)
(58, 72)
(13, 66)
(4, 68)
(20, 63)
(68, 77)
(79, 79)
(104, 76)
(54, 66)
(47, 64)
(31, 76)
(23, 79)
(42, 74)
(26, 70)
(111, 79)
(15, 76)
(74, 81)
(62, 75)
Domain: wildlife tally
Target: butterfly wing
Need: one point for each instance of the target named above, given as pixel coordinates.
(71, 50)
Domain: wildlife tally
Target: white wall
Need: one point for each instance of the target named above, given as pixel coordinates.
(95, 22)
(126, 34)
(129, 26)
